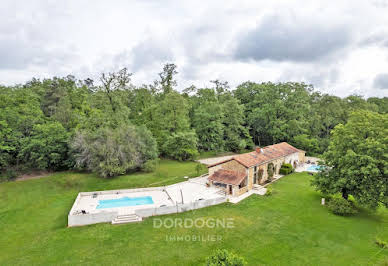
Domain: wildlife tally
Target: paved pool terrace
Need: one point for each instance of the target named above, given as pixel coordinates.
(189, 194)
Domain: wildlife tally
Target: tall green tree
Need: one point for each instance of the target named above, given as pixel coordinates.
(167, 80)
(181, 146)
(167, 116)
(357, 160)
(46, 148)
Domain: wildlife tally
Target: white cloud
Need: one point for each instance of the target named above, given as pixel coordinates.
(339, 48)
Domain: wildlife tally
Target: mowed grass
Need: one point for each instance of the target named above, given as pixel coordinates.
(289, 227)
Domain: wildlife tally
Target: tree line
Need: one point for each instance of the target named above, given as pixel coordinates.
(112, 126)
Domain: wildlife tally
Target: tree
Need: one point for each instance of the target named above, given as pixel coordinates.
(112, 82)
(306, 143)
(207, 122)
(275, 112)
(236, 135)
(167, 116)
(223, 257)
(111, 152)
(356, 160)
(6, 145)
(167, 81)
(46, 148)
(181, 146)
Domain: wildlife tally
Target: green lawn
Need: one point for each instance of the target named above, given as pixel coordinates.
(288, 228)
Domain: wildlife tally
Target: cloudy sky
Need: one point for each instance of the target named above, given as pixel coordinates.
(340, 47)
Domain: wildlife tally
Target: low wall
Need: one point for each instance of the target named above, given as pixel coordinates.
(179, 207)
(91, 218)
(119, 191)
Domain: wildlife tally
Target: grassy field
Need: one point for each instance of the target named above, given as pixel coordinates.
(288, 228)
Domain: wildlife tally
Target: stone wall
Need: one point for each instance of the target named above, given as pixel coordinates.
(234, 166)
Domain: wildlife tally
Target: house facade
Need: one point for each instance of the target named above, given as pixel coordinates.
(240, 173)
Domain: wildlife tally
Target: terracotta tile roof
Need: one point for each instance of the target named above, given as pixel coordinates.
(227, 177)
(262, 155)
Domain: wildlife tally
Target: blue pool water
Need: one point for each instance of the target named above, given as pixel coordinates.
(314, 168)
(124, 202)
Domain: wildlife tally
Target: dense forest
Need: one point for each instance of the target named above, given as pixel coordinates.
(115, 127)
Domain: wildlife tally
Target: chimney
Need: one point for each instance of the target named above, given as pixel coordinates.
(259, 150)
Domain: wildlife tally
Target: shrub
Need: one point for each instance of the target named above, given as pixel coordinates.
(223, 257)
(46, 148)
(287, 166)
(150, 165)
(381, 243)
(269, 191)
(181, 146)
(341, 206)
(112, 152)
(200, 168)
(11, 174)
(286, 169)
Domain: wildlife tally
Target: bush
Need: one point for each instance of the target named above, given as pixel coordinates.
(223, 257)
(181, 146)
(269, 191)
(8, 174)
(287, 166)
(341, 206)
(46, 148)
(286, 169)
(112, 152)
(150, 165)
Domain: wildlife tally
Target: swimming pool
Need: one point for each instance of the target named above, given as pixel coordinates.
(314, 168)
(124, 202)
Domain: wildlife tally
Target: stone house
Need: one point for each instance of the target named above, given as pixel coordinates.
(240, 173)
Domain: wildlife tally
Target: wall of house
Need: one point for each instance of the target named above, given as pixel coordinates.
(234, 166)
(250, 177)
(302, 156)
(292, 158)
(265, 174)
(229, 165)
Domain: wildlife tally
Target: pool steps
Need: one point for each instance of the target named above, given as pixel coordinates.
(126, 218)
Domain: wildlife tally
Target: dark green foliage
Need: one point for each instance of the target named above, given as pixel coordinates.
(150, 165)
(341, 206)
(357, 160)
(222, 119)
(223, 257)
(46, 148)
(112, 152)
(286, 169)
(8, 174)
(306, 143)
(181, 146)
